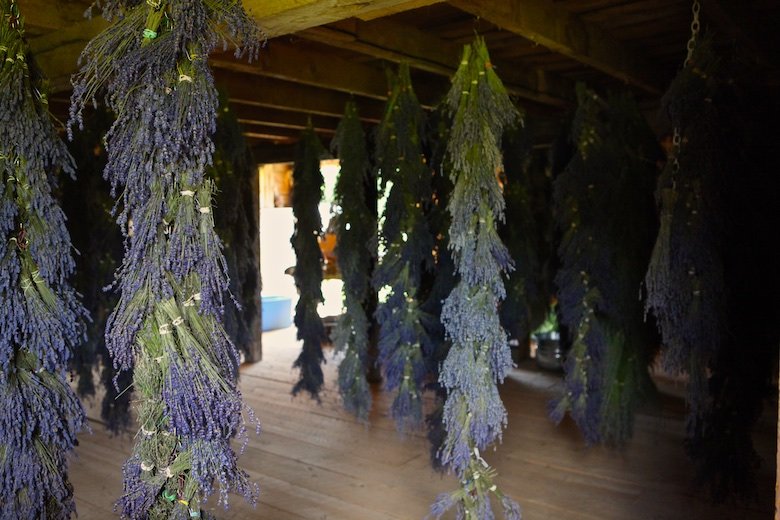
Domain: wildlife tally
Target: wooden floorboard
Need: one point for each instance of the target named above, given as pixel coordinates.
(315, 462)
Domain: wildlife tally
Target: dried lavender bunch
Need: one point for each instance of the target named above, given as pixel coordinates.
(408, 243)
(87, 205)
(355, 232)
(479, 358)
(685, 279)
(43, 321)
(702, 287)
(167, 326)
(306, 196)
(527, 235)
(441, 279)
(236, 223)
(604, 207)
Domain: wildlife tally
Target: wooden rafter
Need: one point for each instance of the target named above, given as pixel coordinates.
(737, 22)
(294, 97)
(391, 41)
(552, 26)
(284, 119)
(318, 68)
(278, 17)
(275, 17)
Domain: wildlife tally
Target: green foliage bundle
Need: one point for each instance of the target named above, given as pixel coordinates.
(527, 234)
(479, 358)
(604, 207)
(355, 234)
(236, 223)
(685, 278)
(152, 63)
(306, 197)
(715, 305)
(41, 319)
(440, 280)
(87, 204)
(407, 242)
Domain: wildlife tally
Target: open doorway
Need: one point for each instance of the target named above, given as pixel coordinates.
(277, 256)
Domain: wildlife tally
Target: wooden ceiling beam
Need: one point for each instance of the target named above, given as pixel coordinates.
(278, 17)
(274, 118)
(287, 61)
(737, 22)
(399, 8)
(395, 42)
(52, 14)
(59, 51)
(275, 17)
(265, 152)
(278, 135)
(243, 89)
(550, 25)
(281, 60)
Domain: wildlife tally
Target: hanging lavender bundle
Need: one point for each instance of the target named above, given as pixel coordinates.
(441, 280)
(306, 196)
(43, 321)
(527, 235)
(715, 305)
(685, 287)
(87, 205)
(153, 64)
(355, 233)
(407, 250)
(604, 208)
(236, 225)
(479, 358)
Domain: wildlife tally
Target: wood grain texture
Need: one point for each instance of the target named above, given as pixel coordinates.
(316, 462)
(560, 31)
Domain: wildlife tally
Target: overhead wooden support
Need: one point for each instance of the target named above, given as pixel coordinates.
(243, 89)
(285, 119)
(388, 40)
(399, 8)
(278, 17)
(58, 53)
(275, 17)
(549, 24)
(265, 152)
(287, 61)
(275, 135)
(740, 24)
(54, 14)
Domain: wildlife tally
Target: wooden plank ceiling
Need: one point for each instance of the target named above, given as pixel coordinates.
(322, 52)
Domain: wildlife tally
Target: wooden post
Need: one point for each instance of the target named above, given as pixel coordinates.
(777, 478)
(255, 347)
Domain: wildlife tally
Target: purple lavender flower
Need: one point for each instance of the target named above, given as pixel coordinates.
(152, 63)
(42, 321)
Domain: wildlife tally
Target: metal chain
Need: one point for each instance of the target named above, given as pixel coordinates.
(695, 26)
(691, 46)
(676, 145)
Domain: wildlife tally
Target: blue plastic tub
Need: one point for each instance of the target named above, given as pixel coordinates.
(277, 312)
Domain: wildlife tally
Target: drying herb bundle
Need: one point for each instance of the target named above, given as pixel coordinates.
(604, 207)
(355, 234)
(153, 64)
(306, 197)
(87, 204)
(42, 320)
(527, 235)
(441, 280)
(714, 304)
(685, 287)
(407, 249)
(479, 357)
(236, 225)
